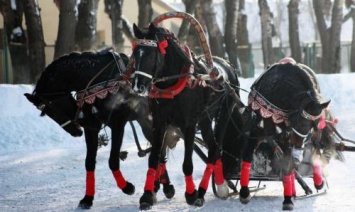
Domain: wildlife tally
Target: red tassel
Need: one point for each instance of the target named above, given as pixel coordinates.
(134, 45)
(121, 182)
(244, 174)
(218, 172)
(162, 45)
(190, 185)
(321, 123)
(317, 175)
(206, 176)
(287, 182)
(90, 183)
(149, 183)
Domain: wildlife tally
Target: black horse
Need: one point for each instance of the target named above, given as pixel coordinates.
(284, 105)
(101, 100)
(179, 97)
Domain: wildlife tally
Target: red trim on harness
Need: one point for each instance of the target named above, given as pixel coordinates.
(90, 183)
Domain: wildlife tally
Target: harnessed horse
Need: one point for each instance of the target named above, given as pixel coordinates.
(179, 96)
(101, 100)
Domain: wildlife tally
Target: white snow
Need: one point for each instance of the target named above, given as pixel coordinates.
(42, 167)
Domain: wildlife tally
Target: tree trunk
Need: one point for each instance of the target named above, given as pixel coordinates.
(230, 32)
(85, 33)
(215, 37)
(330, 37)
(35, 39)
(244, 53)
(190, 6)
(65, 42)
(17, 41)
(114, 9)
(351, 15)
(293, 30)
(145, 13)
(266, 32)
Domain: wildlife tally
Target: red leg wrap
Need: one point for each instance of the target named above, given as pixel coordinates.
(287, 182)
(163, 180)
(206, 176)
(293, 183)
(218, 172)
(317, 174)
(190, 185)
(149, 182)
(244, 173)
(158, 172)
(90, 183)
(121, 182)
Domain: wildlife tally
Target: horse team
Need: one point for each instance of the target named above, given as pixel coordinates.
(166, 88)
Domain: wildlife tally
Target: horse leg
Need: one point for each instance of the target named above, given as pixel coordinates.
(162, 177)
(244, 194)
(317, 170)
(191, 194)
(91, 138)
(114, 161)
(149, 198)
(288, 179)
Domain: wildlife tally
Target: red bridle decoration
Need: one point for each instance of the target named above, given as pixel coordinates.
(162, 46)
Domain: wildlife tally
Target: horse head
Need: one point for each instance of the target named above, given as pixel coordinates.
(158, 56)
(61, 107)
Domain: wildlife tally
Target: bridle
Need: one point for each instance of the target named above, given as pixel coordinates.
(45, 103)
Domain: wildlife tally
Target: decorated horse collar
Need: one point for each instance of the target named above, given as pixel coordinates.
(100, 90)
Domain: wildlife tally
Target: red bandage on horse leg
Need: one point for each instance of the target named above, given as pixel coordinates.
(293, 183)
(206, 176)
(244, 173)
(121, 182)
(317, 175)
(190, 185)
(287, 182)
(149, 182)
(218, 172)
(90, 183)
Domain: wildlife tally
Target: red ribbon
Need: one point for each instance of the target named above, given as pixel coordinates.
(162, 45)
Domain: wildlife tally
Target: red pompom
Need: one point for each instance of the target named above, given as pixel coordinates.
(162, 45)
(321, 123)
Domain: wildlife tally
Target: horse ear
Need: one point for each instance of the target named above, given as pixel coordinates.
(325, 104)
(138, 32)
(151, 27)
(32, 99)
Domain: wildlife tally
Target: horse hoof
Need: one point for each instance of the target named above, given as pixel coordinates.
(200, 202)
(287, 204)
(191, 198)
(169, 191)
(244, 195)
(129, 189)
(319, 187)
(86, 202)
(223, 191)
(147, 200)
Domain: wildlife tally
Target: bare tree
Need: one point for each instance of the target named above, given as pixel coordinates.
(17, 40)
(329, 35)
(293, 30)
(85, 33)
(145, 13)
(65, 42)
(216, 40)
(244, 52)
(266, 32)
(351, 14)
(230, 32)
(114, 10)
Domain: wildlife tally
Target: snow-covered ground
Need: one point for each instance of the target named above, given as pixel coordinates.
(42, 167)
